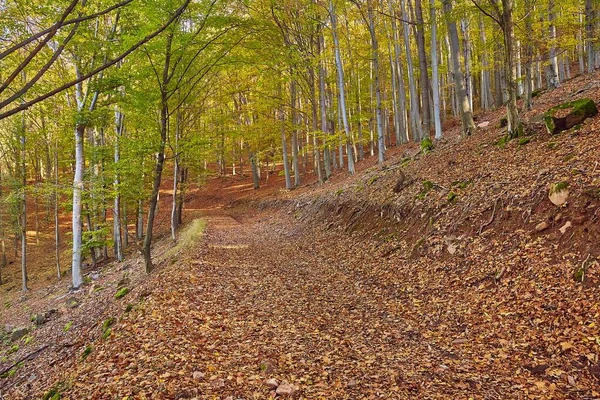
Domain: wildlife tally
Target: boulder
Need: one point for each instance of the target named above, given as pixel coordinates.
(578, 111)
(18, 333)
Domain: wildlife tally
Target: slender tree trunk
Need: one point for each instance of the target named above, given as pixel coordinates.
(400, 89)
(514, 124)
(294, 112)
(528, 100)
(342, 90)
(435, 72)
(56, 216)
(174, 219)
(415, 119)
(375, 57)
(286, 164)
(323, 107)
(590, 14)
(77, 207)
(116, 186)
(424, 72)
(466, 114)
(552, 34)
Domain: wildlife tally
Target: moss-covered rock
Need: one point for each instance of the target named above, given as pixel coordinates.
(580, 110)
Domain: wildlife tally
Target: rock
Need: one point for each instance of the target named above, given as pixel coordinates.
(39, 319)
(198, 376)
(484, 124)
(451, 249)
(558, 217)
(352, 383)
(218, 384)
(9, 328)
(566, 226)
(267, 367)
(542, 226)
(18, 333)
(72, 302)
(559, 194)
(95, 276)
(272, 383)
(285, 389)
(580, 110)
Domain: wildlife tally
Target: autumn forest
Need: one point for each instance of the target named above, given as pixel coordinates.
(311, 199)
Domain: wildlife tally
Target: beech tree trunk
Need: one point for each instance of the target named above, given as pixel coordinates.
(464, 107)
(375, 57)
(435, 75)
(342, 90)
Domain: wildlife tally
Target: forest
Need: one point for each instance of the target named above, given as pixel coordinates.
(393, 147)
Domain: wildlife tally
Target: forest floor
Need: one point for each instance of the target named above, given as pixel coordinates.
(378, 285)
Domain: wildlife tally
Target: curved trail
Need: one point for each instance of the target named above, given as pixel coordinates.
(266, 297)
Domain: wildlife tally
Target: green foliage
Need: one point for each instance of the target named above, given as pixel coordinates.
(106, 327)
(426, 145)
(427, 187)
(524, 140)
(121, 293)
(558, 187)
(68, 326)
(503, 141)
(13, 349)
(452, 197)
(86, 352)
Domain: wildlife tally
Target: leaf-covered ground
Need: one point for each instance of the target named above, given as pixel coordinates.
(378, 285)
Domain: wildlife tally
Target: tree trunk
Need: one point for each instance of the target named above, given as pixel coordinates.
(56, 215)
(77, 207)
(342, 89)
(434, 72)
(117, 189)
(589, 35)
(286, 164)
(375, 57)
(424, 73)
(552, 33)
(415, 119)
(464, 107)
(294, 112)
(514, 124)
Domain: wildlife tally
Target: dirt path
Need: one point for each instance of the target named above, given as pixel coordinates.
(265, 297)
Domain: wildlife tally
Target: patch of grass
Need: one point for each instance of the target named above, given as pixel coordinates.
(451, 197)
(7, 304)
(121, 293)
(27, 339)
(190, 235)
(54, 392)
(524, 140)
(106, 327)
(405, 161)
(68, 326)
(503, 141)
(427, 186)
(13, 349)
(86, 352)
(372, 180)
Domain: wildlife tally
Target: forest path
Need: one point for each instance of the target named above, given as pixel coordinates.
(261, 298)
